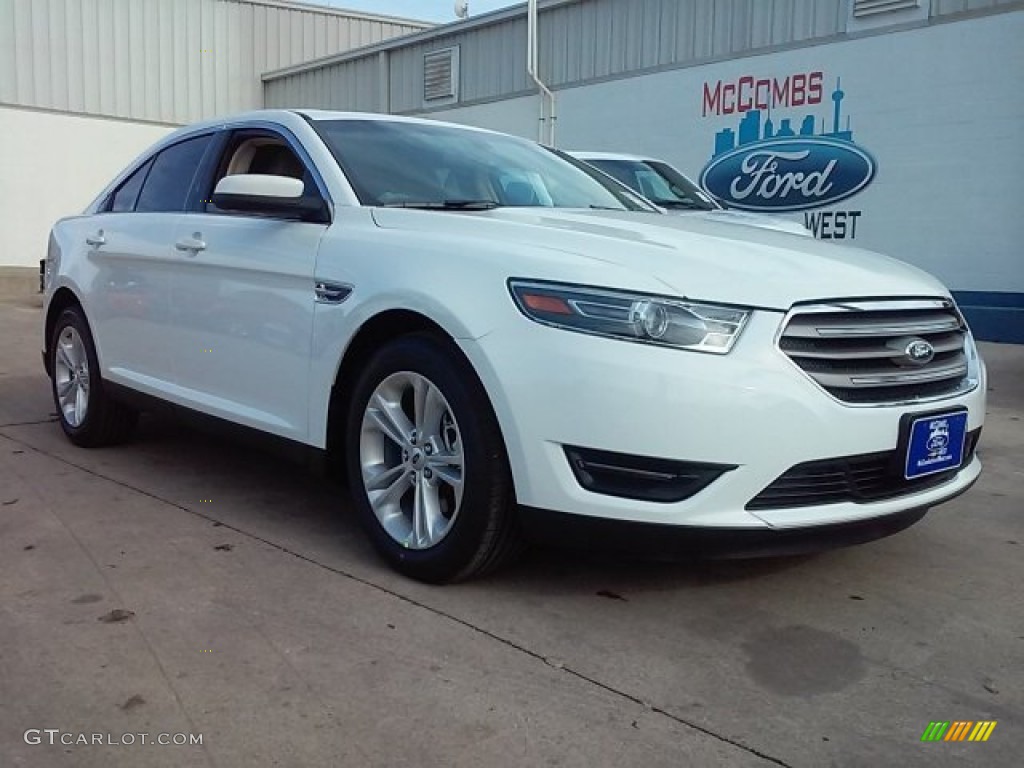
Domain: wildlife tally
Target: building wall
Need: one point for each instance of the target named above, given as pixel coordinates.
(519, 116)
(945, 133)
(53, 165)
(934, 97)
(148, 65)
(174, 61)
(585, 41)
(579, 41)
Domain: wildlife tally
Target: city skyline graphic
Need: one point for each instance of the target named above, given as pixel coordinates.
(750, 129)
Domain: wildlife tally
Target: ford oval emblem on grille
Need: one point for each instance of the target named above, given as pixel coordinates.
(918, 352)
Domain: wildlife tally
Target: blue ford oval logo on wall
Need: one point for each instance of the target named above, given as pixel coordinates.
(790, 174)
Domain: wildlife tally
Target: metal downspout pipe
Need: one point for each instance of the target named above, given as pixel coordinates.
(548, 116)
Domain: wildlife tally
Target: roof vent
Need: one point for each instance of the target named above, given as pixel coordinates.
(862, 8)
(441, 74)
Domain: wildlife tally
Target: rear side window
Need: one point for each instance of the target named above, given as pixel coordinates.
(166, 188)
(128, 193)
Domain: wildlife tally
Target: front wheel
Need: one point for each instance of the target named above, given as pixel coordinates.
(427, 464)
(87, 414)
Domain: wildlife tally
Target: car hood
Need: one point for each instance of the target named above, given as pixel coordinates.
(763, 220)
(699, 257)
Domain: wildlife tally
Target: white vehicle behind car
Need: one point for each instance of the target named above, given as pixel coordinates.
(493, 340)
(670, 189)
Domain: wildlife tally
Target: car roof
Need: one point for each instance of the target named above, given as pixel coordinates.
(318, 115)
(289, 117)
(580, 155)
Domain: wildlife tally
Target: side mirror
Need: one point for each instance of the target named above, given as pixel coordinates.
(271, 195)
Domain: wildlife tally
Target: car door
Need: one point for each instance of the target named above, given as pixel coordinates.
(243, 295)
(131, 249)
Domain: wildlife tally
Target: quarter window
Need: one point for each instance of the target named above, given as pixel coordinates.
(169, 180)
(126, 195)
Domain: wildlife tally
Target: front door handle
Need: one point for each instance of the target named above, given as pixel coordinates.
(192, 245)
(96, 240)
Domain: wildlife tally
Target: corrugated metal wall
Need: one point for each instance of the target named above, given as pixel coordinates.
(172, 61)
(604, 38)
(580, 41)
(365, 87)
(493, 64)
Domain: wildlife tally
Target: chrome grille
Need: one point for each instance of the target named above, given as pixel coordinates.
(880, 352)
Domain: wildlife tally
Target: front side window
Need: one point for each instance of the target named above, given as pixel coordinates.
(258, 152)
(170, 178)
(416, 165)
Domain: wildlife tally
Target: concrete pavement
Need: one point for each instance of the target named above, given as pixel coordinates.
(190, 584)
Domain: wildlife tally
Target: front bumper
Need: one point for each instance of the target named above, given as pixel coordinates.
(652, 541)
(752, 408)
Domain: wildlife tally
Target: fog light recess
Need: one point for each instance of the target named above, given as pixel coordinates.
(641, 477)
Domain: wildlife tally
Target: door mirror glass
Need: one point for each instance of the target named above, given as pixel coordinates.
(270, 195)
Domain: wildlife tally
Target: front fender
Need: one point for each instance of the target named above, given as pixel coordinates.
(458, 281)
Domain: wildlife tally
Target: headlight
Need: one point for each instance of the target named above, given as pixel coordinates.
(631, 316)
(974, 364)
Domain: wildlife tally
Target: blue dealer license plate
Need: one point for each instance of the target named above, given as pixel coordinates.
(936, 444)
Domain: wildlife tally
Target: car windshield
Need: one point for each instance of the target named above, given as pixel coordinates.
(658, 182)
(442, 167)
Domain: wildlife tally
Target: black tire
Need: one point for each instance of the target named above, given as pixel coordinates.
(484, 532)
(106, 421)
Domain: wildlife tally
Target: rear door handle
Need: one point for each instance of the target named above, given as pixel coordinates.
(192, 245)
(96, 240)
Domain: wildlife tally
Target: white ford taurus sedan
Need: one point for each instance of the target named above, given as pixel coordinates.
(493, 340)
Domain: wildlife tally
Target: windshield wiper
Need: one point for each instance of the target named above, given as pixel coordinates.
(687, 205)
(445, 205)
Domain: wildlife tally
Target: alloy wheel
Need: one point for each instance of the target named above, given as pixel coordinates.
(411, 458)
(71, 377)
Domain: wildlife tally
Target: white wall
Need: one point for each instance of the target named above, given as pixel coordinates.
(520, 117)
(940, 108)
(53, 165)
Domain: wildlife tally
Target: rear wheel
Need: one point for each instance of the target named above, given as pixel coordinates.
(427, 464)
(88, 416)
